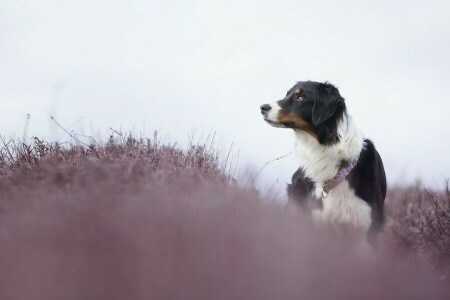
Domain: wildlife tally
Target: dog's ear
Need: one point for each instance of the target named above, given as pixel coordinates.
(327, 101)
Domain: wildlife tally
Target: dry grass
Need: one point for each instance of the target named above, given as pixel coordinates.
(136, 219)
(419, 224)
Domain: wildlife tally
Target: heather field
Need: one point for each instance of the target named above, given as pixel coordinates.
(140, 219)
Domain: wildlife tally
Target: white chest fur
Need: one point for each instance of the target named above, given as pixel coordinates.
(321, 163)
(342, 206)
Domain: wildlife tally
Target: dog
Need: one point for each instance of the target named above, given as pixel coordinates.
(341, 179)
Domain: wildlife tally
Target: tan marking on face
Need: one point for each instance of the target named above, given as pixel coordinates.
(297, 91)
(298, 122)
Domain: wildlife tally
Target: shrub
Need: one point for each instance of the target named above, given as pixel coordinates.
(135, 219)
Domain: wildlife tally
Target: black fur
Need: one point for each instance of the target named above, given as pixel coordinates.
(328, 110)
(300, 189)
(368, 180)
(327, 101)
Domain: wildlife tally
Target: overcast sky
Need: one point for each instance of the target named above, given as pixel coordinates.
(178, 66)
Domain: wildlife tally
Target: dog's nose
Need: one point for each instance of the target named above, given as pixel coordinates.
(265, 108)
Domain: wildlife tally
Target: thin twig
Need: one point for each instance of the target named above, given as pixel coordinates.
(26, 128)
(71, 135)
(270, 161)
(225, 163)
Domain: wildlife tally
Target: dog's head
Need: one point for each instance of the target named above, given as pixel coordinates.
(309, 106)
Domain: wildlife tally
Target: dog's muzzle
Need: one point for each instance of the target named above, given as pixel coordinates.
(270, 113)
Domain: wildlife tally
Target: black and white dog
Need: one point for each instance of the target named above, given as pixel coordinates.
(341, 172)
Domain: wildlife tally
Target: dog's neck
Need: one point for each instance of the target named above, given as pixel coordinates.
(321, 162)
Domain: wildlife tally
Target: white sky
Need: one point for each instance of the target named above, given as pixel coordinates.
(176, 66)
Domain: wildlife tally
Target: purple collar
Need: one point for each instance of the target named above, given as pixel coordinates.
(339, 177)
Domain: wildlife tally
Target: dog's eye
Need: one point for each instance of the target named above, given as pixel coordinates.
(299, 98)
